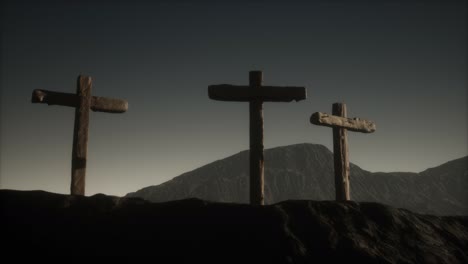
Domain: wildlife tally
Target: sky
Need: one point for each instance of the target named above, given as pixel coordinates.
(401, 64)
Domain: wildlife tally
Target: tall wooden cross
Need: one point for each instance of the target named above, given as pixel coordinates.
(256, 94)
(340, 124)
(83, 102)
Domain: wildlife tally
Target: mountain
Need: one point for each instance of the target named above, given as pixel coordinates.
(41, 225)
(305, 171)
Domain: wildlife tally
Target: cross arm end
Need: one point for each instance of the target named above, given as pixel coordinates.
(38, 96)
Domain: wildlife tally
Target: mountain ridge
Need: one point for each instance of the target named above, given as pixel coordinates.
(305, 171)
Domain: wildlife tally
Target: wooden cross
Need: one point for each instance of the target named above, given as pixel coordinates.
(340, 123)
(256, 94)
(83, 102)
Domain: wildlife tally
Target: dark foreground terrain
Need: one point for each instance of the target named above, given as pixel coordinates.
(39, 223)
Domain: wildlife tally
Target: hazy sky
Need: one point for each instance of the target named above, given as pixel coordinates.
(402, 64)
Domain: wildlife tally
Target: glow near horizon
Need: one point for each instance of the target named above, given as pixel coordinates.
(403, 67)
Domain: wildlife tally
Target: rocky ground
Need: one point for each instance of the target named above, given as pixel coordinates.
(37, 223)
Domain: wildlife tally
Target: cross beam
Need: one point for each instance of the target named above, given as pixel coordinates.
(98, 104)
(237, 93)
(351, 124)
(83, 102)
(255, 93)
(340, 124)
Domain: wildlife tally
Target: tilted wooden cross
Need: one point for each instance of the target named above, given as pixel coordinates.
(340, 124)
(83, 102)
(256, 94)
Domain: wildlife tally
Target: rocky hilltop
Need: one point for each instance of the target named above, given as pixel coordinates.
(305, 171)
(38, 223)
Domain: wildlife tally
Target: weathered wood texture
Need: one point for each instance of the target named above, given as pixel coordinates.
(227, 92)
(98, 104)
(80, 136)
(341, 158)
(352, 124)
(83, 102)
(341, 124)
(54, 98)
(256, 143)
(256, 94)
(108, 105)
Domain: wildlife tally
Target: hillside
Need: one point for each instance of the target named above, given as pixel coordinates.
(305, 171)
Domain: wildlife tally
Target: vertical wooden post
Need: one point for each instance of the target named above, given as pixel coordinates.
(256, 142)
(341, 159)
(256, 94)
(80, 135)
